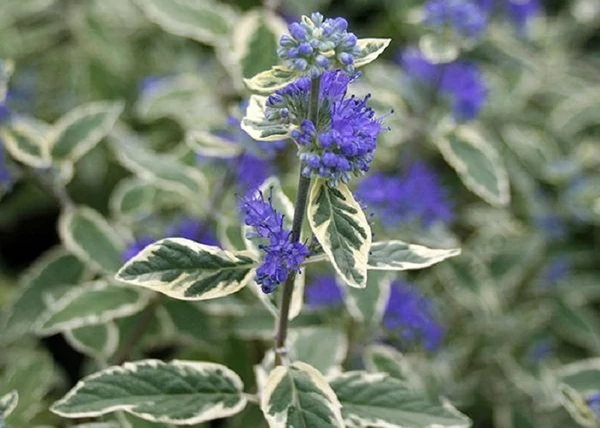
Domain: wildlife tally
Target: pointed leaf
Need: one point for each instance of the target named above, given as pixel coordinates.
(26, 143)
(341, 227)
(299, 396)
(271, 80)
(8, 403)
(187, 270)
(385, 359)
(379, 401)
(370, 49)
(132, 198)
(97, 341)
(398, 255)
(179, 392)
(256, 124)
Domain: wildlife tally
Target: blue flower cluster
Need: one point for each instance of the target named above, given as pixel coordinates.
(415, 196)
(461, 81)
(342, 142)
(281, 255)
(462, 16)
(411, 315)
(324, 291)
(317, 45)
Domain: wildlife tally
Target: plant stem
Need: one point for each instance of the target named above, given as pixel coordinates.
(299, 210)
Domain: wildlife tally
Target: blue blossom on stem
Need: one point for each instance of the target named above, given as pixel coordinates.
(281, 255)
(593, 401)
(410, 315)
(415, 196)
(324, 291)
(316, 45)
(463, 16)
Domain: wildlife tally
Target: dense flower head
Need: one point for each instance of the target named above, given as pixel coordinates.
(461, 81)
(324, 291)
(281, 255)
(415, 196)
(316, 45)
(411, 315)
(463, 16)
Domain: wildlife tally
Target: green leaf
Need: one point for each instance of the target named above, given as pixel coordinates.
(187, 270)
(77, 132)
(54, 270)
(342, 229)
(212, 145)
(299, 396)
(582, 375)
(97, 341)
(179, 392)
(255, 41)
(577, 325)
(370, 49)
(477, 163)
(256, 124)
(368, 304)
(271, 80)
(385, 359)
(206, 21)
(85, 233)
(91, 304)
(306, 345)
(26, 143)
(577, 407)
(379, 401)
(132, 198)
(8, 403)
(164, 171)
(398, 255)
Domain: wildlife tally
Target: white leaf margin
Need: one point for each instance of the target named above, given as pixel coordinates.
(110, 346)
(8, 403)
(434, 256)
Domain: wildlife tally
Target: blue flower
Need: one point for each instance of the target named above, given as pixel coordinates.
(521, 12)
(416, 196)
(136, 247)
(593, 401)
(410, 315)
(324, 291)
(463, 16)
(540, 350)
(417, 67)
(150, 84)
(555, 272)
(281, 255)
(552, 226)
(316, 45)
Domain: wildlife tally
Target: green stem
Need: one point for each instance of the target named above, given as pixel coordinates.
(299, 211)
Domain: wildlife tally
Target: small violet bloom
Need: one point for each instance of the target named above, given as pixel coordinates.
(324, 291)
(281, 255)
(136, 247)
(460, 81)
(411, 315)
(316, 45)
(463, 16)
(415, 196)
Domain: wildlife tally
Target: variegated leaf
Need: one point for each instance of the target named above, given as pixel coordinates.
(342, 229)
(8, 403)
(377, 400)
(212, 145)
(97, 341)
(87, 234)
(256, 124)
(306, 345)
(82, 128)
(207, 21)
(179, 392)
(398, 255)
(582, 375)
(368, 304)
(577, 407)
(132, 197)
(370, 49)
(187, 270)
(91, 304)
(477, 163)
(298, 294)
(271, 80)
(385, 359)
(299, 396)
(26, 143)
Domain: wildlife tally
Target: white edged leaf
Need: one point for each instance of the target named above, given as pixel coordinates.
(178, 392)
(341, 227)
(55, 269)
(91, 304)
(307, 345)
(385, 359)
(161, 170)
(368, 304)
(6, 70)
(78, 131)
(379, 401)
(398, 255)
(186, 270)
(477, 163)
(575, 404)
(26, 143)
(207, 21)
(298, 294)
(271, 80)
(370, 49)
(582, 375)
(212, 145)
(8, 403)
(256, 124)
(87, 234)
(298, 395)
(132, 197)
(97, 341)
